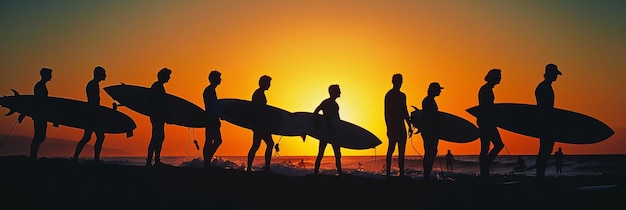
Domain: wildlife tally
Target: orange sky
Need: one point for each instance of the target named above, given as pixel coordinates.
(307, 45)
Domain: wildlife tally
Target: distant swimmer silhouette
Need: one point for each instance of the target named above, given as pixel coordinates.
(158, 117)
(544, 95)
(430, 123)
(449, 161)
(396, 115)
(301, 164)
(93, 98)
(488, 132)
(40, 124)
(258, 97)
(558, 160)
(330, 110)
(213, 135)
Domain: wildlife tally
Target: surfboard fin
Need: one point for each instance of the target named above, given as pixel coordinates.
(129, 134)
(15, 92)
(303, 136)
(56, 125)
(10, 113)
(20, 118)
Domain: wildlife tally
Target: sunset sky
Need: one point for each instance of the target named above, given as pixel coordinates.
(305, 46)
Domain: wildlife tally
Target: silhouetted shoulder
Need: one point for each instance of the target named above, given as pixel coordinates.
(259, 97)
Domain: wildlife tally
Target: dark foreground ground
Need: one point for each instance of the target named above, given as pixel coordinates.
(61, 184)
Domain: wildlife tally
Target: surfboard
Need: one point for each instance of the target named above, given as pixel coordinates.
(338, 132)
(451, 128)
(69, 112)
(263, 117)
(181, 111)
(558, 124)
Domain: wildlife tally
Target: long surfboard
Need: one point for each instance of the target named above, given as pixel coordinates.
(181, 111)
(558, 124)
(451, 128)
(263, 117)
(338, 132)
(69, 112)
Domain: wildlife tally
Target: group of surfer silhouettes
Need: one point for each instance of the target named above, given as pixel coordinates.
(397, 120)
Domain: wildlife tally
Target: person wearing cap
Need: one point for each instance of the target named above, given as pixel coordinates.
(158, 117)
(430, 123)
(544, 95)
(93, 99)
(488, 132)
(396, 115)
(40, 124)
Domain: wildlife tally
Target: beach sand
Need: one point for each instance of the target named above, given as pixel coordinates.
(60, 184)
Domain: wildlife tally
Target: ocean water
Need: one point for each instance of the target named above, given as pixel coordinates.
(374, 165)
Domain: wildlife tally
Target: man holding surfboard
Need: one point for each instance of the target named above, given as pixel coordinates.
(544, 95)
(213, 135)
(93, 99)
(258, 97)
(488, 132)
(158, 117)
(396, 115)
(40, 124)
(330, 110)
(429, 127)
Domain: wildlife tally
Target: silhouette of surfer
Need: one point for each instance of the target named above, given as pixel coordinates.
(93, 99)
(544, 95)
(301, 164)
(158, 117)
(449, 161)
(258, 97)
(330, 111)
(396, 115)
(489, 134)
(558, 161)
(39, 122)
(213, 135)
(430, 118)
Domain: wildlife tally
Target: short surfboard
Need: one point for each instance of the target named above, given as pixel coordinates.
(450, 128)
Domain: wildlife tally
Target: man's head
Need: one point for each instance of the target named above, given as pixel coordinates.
(215, 77)
(396, 80)
(552, 72)
(99, 73)
(46, 74)
(494, 76)
(164, 75)
(434, 89)
(334, 91)
(265, 82)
